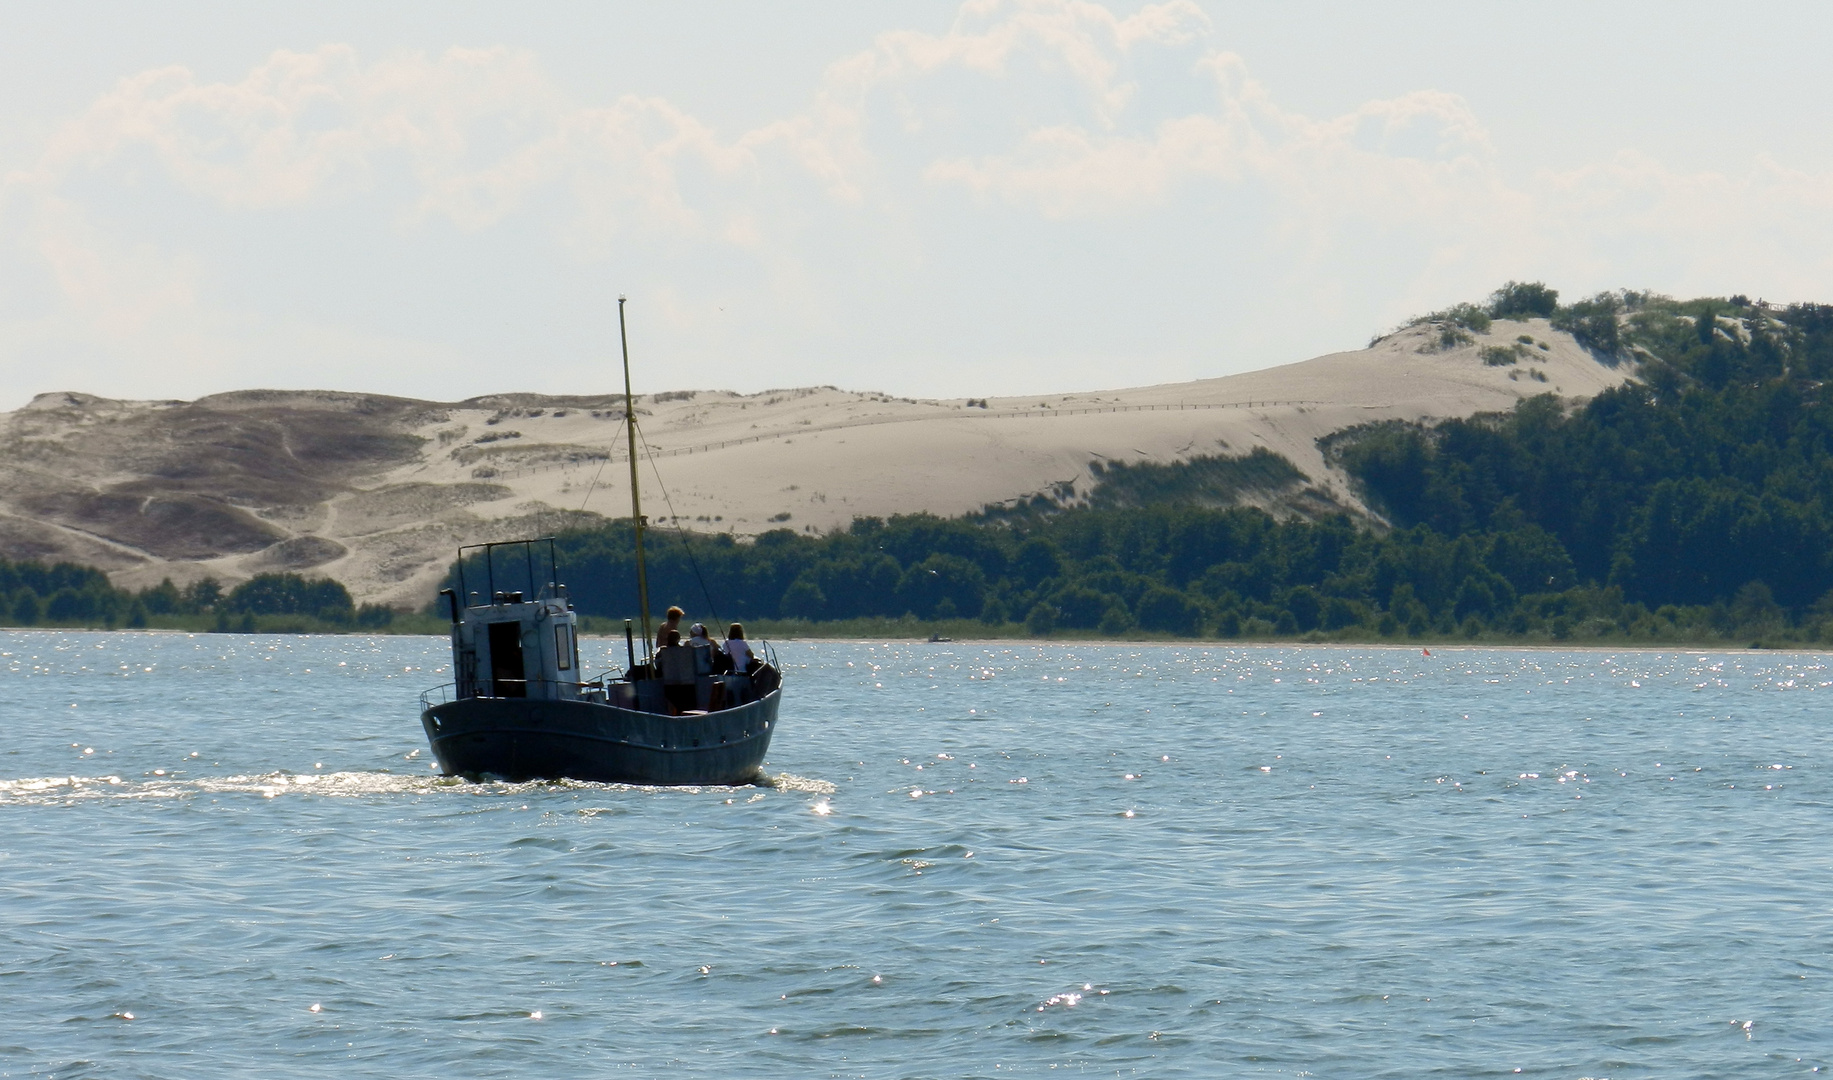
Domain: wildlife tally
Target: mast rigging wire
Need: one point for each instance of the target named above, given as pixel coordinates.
(679, 534)
(602, 462)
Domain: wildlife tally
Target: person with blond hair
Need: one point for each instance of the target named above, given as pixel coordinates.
(672, 622)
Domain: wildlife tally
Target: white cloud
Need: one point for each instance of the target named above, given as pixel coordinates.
(937, 193)
(478, 130)
(1366, 164)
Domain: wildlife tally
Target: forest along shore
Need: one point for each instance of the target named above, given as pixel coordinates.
(1683, 504)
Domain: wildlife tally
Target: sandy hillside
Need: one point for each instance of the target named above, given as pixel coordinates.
(377, 491)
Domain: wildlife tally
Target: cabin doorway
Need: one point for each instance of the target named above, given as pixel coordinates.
(507, 675)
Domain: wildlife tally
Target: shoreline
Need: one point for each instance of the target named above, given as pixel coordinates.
(983, 641)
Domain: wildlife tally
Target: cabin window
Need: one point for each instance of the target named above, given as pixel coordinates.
(563, 646)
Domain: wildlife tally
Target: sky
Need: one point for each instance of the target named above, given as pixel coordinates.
(440, 200)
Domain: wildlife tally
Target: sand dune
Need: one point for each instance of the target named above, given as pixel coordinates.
(377, 491)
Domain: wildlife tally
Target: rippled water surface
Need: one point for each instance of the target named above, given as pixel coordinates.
(227, 856)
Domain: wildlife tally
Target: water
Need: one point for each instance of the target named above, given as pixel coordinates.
(226, 855)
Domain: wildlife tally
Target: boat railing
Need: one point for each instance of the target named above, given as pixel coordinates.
(591, 690)
(597, 688)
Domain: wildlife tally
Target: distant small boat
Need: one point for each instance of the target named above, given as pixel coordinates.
(518, 707)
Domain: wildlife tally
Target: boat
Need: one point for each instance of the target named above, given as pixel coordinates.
(519, 709)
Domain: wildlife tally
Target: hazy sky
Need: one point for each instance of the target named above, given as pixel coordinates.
(442, 200)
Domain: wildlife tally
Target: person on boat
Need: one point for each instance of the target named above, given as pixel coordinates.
(705, 660)
(670, 624)
(722, 660)
(709, 661)
(738, 649)
(675, 661)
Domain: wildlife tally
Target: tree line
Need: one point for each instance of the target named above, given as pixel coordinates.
(66, 594)
(1177, 571)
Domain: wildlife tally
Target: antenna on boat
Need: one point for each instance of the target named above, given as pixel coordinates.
(636, 503)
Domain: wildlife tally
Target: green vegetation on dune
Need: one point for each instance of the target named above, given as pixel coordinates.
(1198, 481)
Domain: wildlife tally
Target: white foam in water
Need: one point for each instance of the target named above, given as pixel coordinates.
(805, 784)
(66, 789)
(58, 789)
(52, 790)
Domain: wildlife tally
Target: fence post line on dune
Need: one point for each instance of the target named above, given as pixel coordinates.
(701, 448)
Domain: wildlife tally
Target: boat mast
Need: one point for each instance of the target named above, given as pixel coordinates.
(636, 503)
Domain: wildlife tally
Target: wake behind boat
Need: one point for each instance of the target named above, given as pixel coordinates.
(518, 707)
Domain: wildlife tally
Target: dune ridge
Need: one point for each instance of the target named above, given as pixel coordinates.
(377, 491)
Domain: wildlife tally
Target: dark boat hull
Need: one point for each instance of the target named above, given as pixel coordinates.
(524, 739)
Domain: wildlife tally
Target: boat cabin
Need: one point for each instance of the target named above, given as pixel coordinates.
(513, 643)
